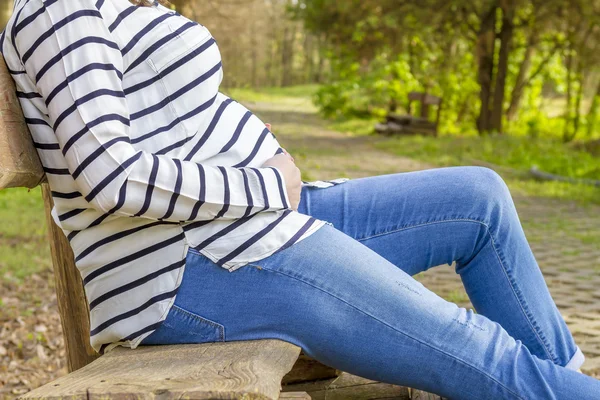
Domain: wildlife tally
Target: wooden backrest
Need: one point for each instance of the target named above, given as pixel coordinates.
(425, 98)
(19, 162)
(20, 167)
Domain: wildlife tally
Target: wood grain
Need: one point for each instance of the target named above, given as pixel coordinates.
(221, 370)
(350, 387)
(309, 369)
(421, 395)
(72, 304)
(19, 162)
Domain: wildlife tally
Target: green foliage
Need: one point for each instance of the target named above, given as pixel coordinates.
(382, 49)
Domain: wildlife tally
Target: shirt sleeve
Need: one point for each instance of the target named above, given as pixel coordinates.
(70, 54)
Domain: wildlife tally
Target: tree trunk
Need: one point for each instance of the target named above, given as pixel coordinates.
(569, 65)
(287, 54)
(485, 59)
(520, 83)
(592, 116)
(506, 36)
(577, 118)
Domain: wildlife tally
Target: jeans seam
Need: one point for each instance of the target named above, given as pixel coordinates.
(197, 317)
(534, 327)
(400, 332)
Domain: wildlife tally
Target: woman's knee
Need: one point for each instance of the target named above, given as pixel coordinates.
(485, 186)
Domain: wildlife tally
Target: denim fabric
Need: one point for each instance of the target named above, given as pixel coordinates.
(346, 296)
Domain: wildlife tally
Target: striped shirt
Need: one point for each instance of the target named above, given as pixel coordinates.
(144, 156)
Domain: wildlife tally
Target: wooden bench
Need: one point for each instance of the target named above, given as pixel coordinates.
(412, 124)
(231, 370)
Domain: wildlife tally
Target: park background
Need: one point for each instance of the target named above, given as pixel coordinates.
(520, 85)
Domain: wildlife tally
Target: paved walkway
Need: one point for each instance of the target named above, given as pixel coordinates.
(562, 234)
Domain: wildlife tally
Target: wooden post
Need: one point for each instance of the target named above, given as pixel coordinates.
(72, 303)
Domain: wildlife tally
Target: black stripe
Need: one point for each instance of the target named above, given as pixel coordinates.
(201, 195)
(99, 4)
(71, 214)
(97, 153)
(17, 28)
(132, 257)
(169, 69)
(209, 130)
(136, 283)
(143, 32)
(29, 95)
(196, 81)
(253, 239)
(195, 225)
(248, 194)
(281, 187)
(120, 200)
(279, 151)
(124, 14)
(117, 236)
(56, 171)
(237, 132)
(88, 97)
(150, 110)
(36, 121)
(100, 120)
(176, 190)
(70, 48)
(263, 187)
(254, 151)
(2, 41)
(133, 312)
(298, 234)
(46, 146)
(161, 104)
(72, 195)
(134, 335)
(170, 126)
(174, 146)
(150, 187)
(50, 2)
(106, 181)
(226, 194)
(57, 26)
(157, 45)
(77, 74)
(223, 232)
(14, 32)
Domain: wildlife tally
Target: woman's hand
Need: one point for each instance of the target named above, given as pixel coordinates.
(291, 175)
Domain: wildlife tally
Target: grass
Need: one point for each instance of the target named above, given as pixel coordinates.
(23, 245)
(297, 98)
(519, 153)
(514, 156)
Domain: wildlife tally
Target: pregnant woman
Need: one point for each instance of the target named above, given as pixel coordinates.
(190, 223)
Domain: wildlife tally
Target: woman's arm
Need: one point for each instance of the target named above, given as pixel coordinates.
(90, 116)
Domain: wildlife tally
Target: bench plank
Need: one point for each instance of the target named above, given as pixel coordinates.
(19, 162)
(222, 370)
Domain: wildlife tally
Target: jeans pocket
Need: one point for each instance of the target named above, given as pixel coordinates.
(182, 326)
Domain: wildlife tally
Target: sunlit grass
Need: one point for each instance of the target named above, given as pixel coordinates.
(24, 247)
(297, 98)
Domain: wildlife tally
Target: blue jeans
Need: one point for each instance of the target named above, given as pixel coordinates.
(346, 296)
